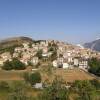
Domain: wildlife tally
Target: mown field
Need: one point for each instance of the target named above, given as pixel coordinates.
(72, 75)
(68, 75)
(11, 75)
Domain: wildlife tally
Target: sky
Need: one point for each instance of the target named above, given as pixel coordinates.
(73, 21)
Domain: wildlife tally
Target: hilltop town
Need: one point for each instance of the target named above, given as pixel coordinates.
(58, 54)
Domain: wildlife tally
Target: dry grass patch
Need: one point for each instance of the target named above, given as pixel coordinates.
(11, 75)
(68, 75)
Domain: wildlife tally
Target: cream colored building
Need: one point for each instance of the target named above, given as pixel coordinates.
(55, 64)
(65, 65)
(35, 60)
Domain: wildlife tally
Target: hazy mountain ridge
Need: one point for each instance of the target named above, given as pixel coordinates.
(94, 45)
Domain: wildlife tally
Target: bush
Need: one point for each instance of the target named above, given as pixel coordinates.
(18, 91)
(14, 64)
(4, 86)
(55, 91)
(26, 77)
(94, 65)
(7, 65)
(39, 54)
(54, 55)
(32, 78)
(96, 83)
(18, 65)
(30, 63)
(85, 90)
(35, 78)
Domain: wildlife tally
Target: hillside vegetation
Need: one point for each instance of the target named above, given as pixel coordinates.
(11, 43)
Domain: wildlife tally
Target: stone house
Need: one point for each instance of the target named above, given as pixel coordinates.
(35, 60)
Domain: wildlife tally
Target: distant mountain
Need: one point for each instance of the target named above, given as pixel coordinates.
(14, 41)
(94, 45)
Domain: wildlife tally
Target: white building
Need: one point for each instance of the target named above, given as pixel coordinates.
(1, 62)
(18, 49)
(6, 56)
(33, 45)
(26, 55)
(65, 55)
(68, 53)
(70, 59)
(76, 62)
(36, 48)
(83, 65)
(55, 64)
(60, 60)
(44, 55)
(45, 50)
(26, 45)
(60, 48)
(65, 65)
(15, 55)
(25, 61)
(49, 54)
(43, 43)
(35, 60)
(38, 86)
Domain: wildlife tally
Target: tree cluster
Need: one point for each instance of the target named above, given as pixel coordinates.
(94, 65)
(84, 89)
(32, 78)
(14, 64)
(39, 54)
(55, 91)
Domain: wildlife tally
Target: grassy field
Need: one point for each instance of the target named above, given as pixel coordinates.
(68, 75)
(72, 75)
(11, 75)
(4, 94)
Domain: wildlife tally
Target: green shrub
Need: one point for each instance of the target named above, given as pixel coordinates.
(14, 64)
(94, 65)
(35, 78)
(4, 86)
(32, 78)
(7, 65)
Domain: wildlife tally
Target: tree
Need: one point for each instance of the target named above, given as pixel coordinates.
(30, 63)
(14, 64)
(32, 78)
(50, 49)
(35, 78)
(39, 54)
(85, 90)
(9, 48)
(7, 65)
(18, 92)
(56, 91)
(54, 55)
(26, 77)
(94, 65)
(17, 64)
(30, 45)
(4, 86)
(96, 83)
